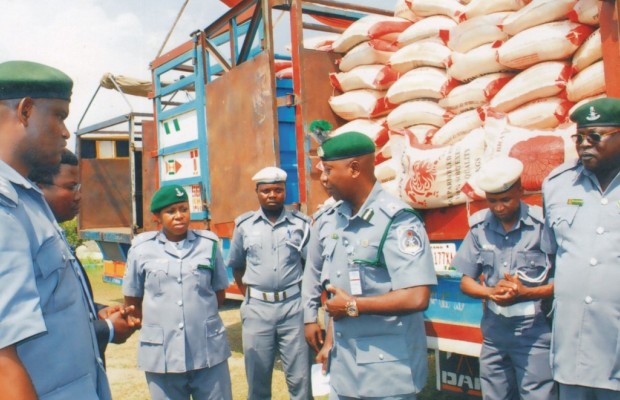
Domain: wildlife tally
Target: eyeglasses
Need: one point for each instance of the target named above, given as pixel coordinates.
(593, 137)
(72, 188)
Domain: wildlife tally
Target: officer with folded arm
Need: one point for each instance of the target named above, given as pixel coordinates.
(503, 245)
(267, 255)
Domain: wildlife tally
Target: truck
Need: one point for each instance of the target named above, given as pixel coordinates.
(220, 113)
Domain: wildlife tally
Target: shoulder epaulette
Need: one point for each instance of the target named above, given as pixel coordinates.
(8, 195)
(207, 234)
(562, 168)
(301, 216)
(144, 237)
(478, 217)
(243, 217)
(536, 212)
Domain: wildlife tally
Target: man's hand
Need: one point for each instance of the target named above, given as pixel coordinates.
(337, 305)
(314, 336)
(323, 358)
(123, 319)
(506, 291)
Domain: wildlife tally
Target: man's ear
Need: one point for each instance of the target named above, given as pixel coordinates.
(355, 168)
(24, 110)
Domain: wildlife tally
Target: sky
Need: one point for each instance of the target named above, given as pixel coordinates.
(87, 38)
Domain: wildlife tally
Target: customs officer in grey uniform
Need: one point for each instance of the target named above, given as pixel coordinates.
(379, 265)
(61, 189)
(175, 279)
(503, 244)
(48, 348)
(582, 220)
(266, 255)
(312, 284)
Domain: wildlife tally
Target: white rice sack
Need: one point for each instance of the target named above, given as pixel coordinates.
(434, 177)
(476, 62)
(475, 93)
(417, 112)
(422, 133)
(374, 51)
(475, 32)
(402, 10)
(586, 12)
(369, 27)
(587, 83)
(551, 41)
(541, 114)
(420, 83)
(377, 76)
(589, 52)
(387, 170)
(361, 103)
(426, 52)
(537, 12)
(425, 28)
(584, 101)
(427, 8)
(538, 81)
(373, 128)
(458, 127)
(323, 43)
(539, 150)
(477, 8)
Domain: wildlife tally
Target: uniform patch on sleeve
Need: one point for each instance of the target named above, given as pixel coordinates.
(409, 241)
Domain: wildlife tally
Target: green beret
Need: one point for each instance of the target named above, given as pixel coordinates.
(19, 79)
(168, 195)
(346, 145)
(599, 112)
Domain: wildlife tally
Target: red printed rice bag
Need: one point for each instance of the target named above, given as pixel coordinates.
(475, 93)
(538, 81)
(427, 8)
(537, 13)
(589, 52)
(477, 8)
(458, 127)
(367, 28)
(419, 83)
(475, 32)
(361, 103)
(426, 52)
(586, 12)
(377, 76)
(374, 51)
(587, 83)
(541, 114)
(426, 28)
(547, 42)
(417, 112)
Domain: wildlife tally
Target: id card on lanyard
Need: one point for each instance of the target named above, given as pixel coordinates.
(355, 280)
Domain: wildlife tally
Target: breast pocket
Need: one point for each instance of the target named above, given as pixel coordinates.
(252, 244)
(292, 244)
(202, 270)
(532, 267)
(156, 274)
(60, 287)
(561, 220)
(383, 365)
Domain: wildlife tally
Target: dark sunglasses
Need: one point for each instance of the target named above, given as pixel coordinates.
(593, 137)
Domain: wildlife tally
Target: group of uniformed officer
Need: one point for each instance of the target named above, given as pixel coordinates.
(368, 249)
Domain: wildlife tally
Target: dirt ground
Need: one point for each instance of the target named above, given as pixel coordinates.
(128, 383)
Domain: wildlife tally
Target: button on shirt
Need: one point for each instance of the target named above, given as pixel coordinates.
(44, 311)
(181, 328)
(371, 350)
(583, 230)
(271, 253)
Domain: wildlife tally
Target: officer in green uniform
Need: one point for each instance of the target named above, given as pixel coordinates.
(378, 262)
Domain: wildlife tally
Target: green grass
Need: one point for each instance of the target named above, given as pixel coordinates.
(128, 383)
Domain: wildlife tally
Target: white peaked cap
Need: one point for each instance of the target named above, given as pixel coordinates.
(499, 174)
(270, 175)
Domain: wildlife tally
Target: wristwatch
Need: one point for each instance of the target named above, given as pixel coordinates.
(351, 308)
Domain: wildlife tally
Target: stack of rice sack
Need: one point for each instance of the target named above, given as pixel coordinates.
(445, 85)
